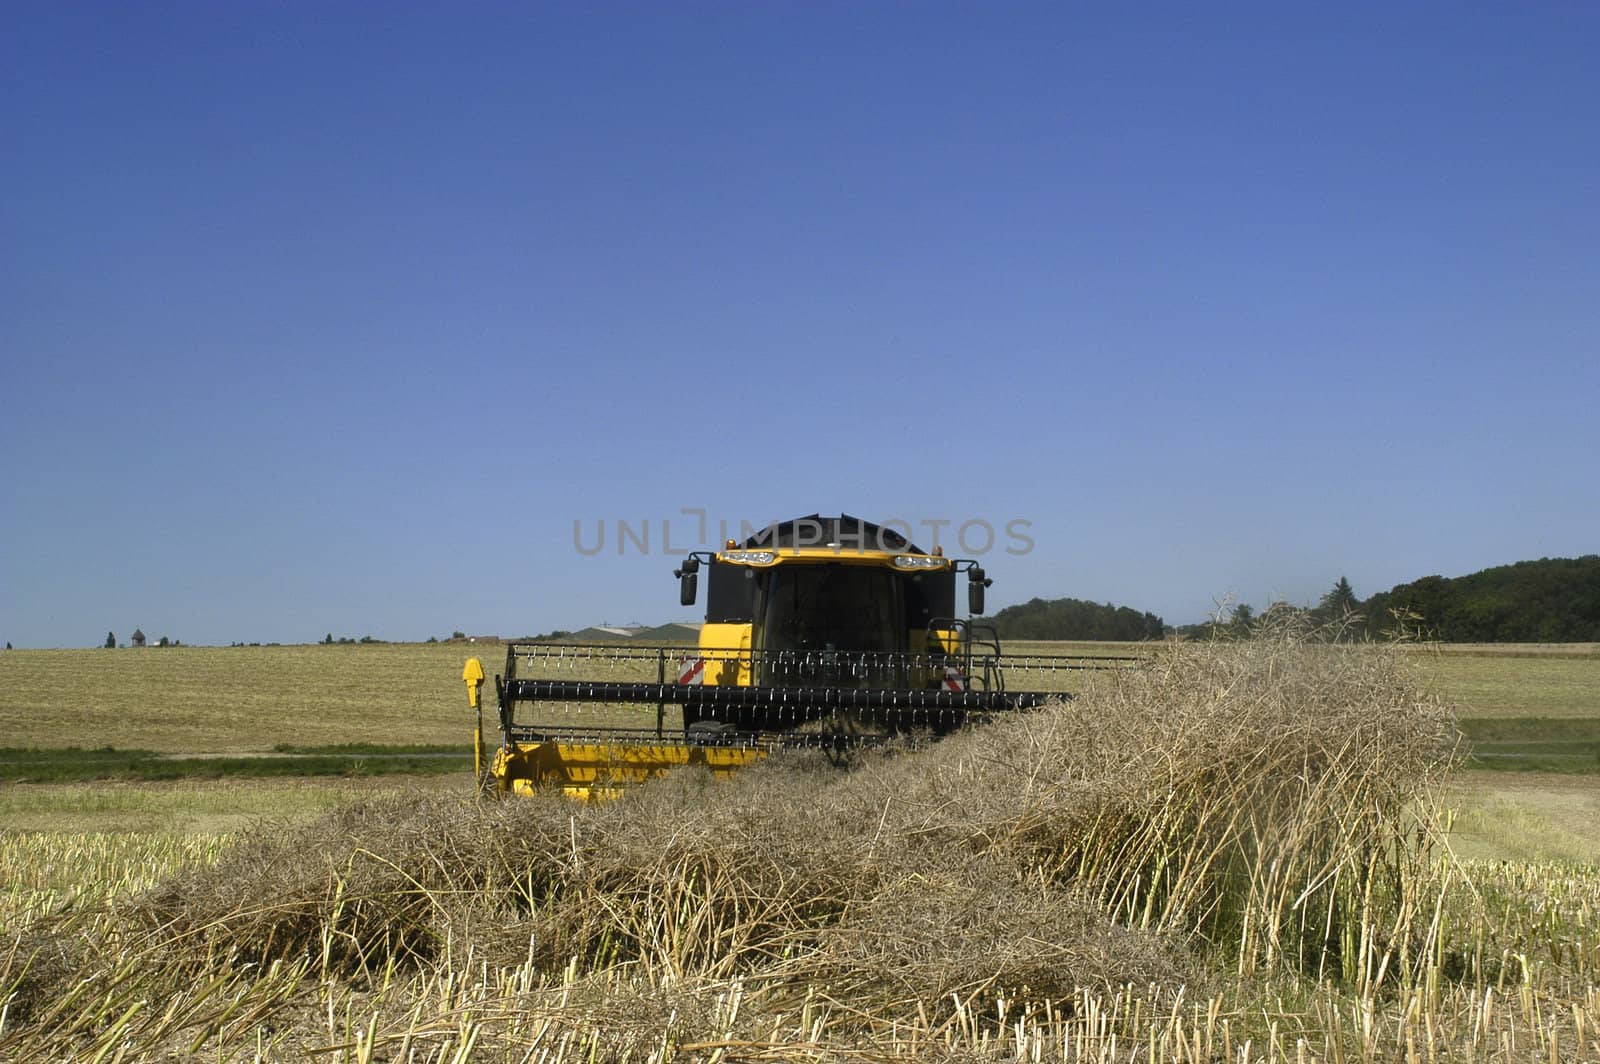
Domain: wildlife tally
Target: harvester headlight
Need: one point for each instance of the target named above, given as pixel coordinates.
(918, 561)
(750, 557)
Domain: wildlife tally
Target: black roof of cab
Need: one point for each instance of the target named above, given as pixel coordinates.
(849, 533)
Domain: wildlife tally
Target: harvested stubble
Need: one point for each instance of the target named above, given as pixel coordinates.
(1249, 803)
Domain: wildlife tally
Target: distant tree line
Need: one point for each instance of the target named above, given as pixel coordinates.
(1068, 618)
(1552, 600)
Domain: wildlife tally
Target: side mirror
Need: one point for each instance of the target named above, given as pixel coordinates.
(976, 582)
(688, 581)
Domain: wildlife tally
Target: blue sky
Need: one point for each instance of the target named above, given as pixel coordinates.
(332, 318)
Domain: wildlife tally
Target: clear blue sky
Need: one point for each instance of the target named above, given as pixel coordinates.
(322, 317)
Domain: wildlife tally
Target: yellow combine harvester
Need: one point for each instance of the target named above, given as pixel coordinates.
(821, 631)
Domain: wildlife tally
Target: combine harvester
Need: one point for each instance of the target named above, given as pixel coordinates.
(827, 632)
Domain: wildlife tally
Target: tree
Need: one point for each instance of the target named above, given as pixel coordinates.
(1549, 600)
(1154, 627)
(328, 638)
(163, 642)
(1280, 612)
(111, 641)
(1340, 601)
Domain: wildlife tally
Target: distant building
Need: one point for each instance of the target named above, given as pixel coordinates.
(137, 639)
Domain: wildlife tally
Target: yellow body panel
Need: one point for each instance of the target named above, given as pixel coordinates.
(944, 641)
(725, 648)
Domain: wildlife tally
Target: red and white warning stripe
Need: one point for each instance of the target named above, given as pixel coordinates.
(954, 679)
(691, 671)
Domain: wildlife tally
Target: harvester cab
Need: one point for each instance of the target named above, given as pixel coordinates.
(821, 631)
